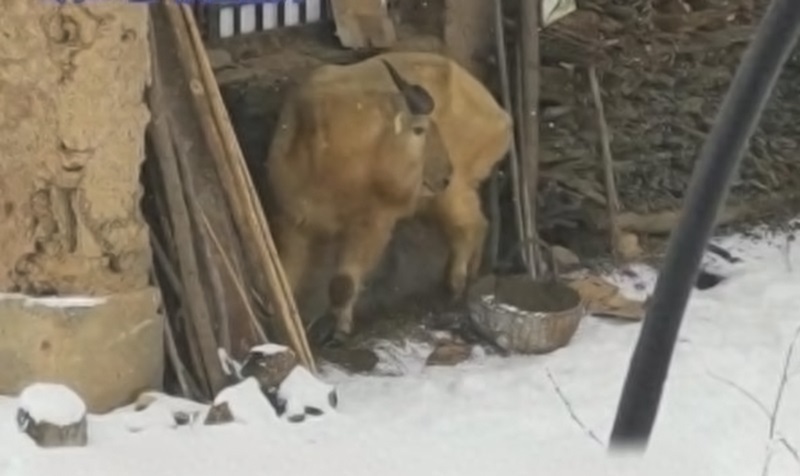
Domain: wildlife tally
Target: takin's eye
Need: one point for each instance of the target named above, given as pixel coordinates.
(418, 130)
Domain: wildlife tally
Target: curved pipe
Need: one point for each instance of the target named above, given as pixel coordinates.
(719, 159)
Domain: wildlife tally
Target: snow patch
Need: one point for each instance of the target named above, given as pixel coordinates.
(513, 416)
(269, 349)
(247, 403)
(54, 301)
(300, 389)
(52, 403)
(229, 365)
(157, 415)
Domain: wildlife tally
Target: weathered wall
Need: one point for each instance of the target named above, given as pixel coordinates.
(72, 121)
(469, 33)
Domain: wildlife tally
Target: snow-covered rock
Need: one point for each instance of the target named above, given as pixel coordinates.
(269, 349)
(246, 403)
(218, 414)
(52, 415)
(302, 394)
(269, 364)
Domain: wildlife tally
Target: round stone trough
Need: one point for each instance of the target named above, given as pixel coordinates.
(523, 315)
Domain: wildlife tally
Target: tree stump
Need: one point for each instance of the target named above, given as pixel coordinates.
(269, 364)
(53, 416)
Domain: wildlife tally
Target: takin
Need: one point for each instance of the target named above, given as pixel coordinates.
(362, 146)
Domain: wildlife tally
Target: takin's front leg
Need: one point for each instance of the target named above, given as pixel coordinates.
(361, 249)
(294, 248)
(458, 212)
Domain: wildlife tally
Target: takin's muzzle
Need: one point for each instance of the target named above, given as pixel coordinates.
(438, 169)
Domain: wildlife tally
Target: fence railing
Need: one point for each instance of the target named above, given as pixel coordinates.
(223, 19)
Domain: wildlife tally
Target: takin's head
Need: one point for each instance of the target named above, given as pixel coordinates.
(437, 169)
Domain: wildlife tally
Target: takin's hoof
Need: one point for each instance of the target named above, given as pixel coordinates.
(457, 297)
(339, 339)
(322, 330)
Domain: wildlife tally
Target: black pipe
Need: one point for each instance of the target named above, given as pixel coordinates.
(719, 159)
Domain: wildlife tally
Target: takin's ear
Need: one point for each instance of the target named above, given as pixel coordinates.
(417, 98)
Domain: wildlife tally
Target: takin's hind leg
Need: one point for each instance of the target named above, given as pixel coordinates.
(458, 213)
(361, 249)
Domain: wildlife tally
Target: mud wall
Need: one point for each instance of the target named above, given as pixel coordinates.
(72, 122)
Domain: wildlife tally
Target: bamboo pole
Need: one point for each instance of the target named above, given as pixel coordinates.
(281, 292)
(214, 280)
(236, 279)
(235, 178)
(194, 297)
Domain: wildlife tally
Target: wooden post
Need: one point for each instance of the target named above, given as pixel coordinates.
(363, 24)
(529, 65)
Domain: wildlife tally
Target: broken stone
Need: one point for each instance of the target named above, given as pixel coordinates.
(628, 246)
(143, 401)
(449, 354)
(302, 394)
(184, 418)
(565, 258)
(219, 58)
(218, 414)
(269, 364)
(53, 416)
(352, 360)
(604, 299)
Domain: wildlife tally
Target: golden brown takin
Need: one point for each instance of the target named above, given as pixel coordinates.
(361, 146)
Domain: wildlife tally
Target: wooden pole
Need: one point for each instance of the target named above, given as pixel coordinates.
(505, 92)
(529, 66)
(612, 198)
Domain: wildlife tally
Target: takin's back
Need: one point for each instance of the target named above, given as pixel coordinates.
(476, 130)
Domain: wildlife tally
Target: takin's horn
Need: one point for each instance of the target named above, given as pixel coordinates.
(417, 98)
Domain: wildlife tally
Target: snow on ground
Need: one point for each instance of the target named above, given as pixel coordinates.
(539, 415)
(55, 301)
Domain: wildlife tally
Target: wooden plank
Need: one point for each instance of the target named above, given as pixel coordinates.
(363, 24)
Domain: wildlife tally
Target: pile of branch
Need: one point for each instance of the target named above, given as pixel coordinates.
(662, 68)
(215, 298)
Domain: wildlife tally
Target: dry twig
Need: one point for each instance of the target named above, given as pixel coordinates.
(571, 411)
(776, 406)
(612, 198)
(761, 406)
(237, 281)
